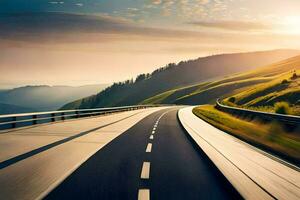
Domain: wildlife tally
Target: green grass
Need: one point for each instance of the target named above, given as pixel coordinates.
(187, 95)
(265, 96)
(72, 105)
(171, 96)
(282, 108)
(220, 88)
(158, 99)
(256, 88)
(264, 92)
(271, 137)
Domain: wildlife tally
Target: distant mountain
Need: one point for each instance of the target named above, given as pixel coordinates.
(179, 75)
(11, 109)
(43, 98)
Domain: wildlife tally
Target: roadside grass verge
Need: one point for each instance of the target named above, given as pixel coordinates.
(271, 137)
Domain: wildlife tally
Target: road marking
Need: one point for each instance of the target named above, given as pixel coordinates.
(149, 148)
(144, 194)
(162, 116)
(145, 170)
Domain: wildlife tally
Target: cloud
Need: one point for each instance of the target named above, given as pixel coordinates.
(203, 2)
(186, 9)
(157, 2)
(233, 25)
(56, 2)
(66, 26)
(61, 28)
(50, 24)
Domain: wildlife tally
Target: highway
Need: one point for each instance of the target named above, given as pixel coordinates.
(34, 160)
(154, 158)
(139, 154)
(152, 153)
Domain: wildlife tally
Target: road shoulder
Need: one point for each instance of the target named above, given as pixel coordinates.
(253, 174)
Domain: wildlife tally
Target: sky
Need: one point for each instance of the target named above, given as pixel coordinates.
(79, 42)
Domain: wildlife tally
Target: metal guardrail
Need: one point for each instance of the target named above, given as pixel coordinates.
(27, 119)
(289, 119)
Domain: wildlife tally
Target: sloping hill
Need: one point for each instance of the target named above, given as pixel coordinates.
(283, 88)
(178, 75)
(42, 98)
(262, 86)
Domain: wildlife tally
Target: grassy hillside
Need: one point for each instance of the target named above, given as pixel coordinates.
(177, 76)
(284, 88)
(42, 98)
(263, 86)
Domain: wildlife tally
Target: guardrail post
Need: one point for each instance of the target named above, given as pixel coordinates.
(62, 116)
(14, 125)
(34, 117)
(77, 114)
(53, 117)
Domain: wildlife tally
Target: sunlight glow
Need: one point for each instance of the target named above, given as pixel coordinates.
(292, 24)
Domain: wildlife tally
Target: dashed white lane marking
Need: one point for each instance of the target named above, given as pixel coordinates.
(144, 194)
(149, 148)
(145, 170)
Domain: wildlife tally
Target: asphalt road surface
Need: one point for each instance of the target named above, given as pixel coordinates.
(155, 159)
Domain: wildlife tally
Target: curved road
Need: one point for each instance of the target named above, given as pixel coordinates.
(154, 159)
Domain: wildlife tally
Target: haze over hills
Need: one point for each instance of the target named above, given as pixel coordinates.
(179, 75)
(43, 98)
(9, 109)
